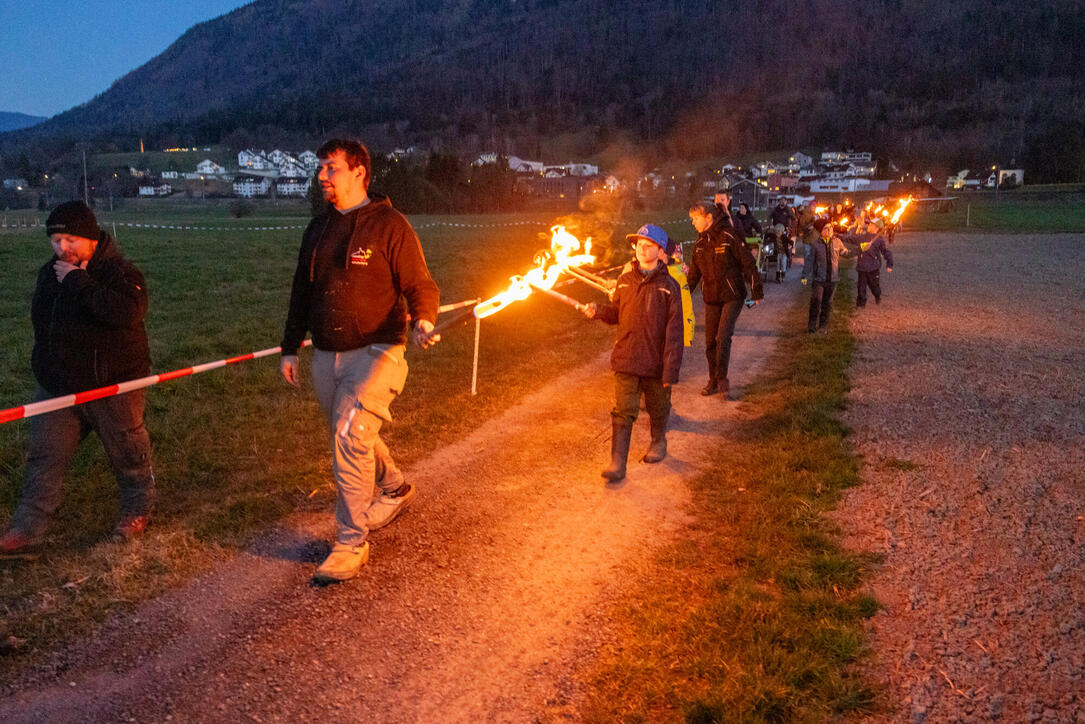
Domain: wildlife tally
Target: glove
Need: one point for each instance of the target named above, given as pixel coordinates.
(803, 281)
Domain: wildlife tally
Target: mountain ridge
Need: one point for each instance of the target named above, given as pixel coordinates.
(907, 78)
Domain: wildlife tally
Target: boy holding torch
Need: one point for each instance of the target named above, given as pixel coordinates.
(647, 308)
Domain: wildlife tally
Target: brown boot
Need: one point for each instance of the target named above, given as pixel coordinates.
(621, 431)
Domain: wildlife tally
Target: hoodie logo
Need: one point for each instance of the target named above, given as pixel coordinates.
(361, 257)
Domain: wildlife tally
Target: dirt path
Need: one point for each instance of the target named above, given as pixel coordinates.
(480, 604)
(968, 405)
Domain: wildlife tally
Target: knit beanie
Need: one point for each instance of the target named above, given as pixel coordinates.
(72, 217)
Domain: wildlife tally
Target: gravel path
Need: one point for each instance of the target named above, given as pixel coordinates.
(967, 407)
(482, 603)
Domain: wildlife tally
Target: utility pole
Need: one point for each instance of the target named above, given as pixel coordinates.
(86, 196)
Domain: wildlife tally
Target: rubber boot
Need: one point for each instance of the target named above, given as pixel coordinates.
(657, 450)
(621, 431)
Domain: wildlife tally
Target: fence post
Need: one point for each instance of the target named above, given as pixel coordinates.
(474, 364)
(968, 216)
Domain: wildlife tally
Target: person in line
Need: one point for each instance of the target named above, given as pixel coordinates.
(871, 247)
(748, 223)
(821, 269)
(87, 311)
(677, 268)
(783, 215)
(723, 262)
(647, 356)
(360, 271)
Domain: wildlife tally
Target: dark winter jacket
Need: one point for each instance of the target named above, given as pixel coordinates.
(783, 216)
(648, 312)
(870, 247)
(88, 330)
(357, 277)
(822, 260)
(749, 224)
(722, 260)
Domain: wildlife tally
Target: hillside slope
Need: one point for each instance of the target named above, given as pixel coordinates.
(912, 78)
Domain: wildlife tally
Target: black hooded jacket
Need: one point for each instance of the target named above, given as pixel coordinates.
(358, 276)
(88, 330)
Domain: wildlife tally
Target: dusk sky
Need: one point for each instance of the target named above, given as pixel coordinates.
(57, 54)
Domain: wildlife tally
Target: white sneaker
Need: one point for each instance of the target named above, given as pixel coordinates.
(385, 508)
(343, 563)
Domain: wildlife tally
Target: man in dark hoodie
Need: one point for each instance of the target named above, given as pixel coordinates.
(360, 272)
(87, 312)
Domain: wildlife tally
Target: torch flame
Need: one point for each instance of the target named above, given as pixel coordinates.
(900, 210)
(564, 247)
(819, 209)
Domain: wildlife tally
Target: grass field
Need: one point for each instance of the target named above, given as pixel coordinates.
(1011, 212)
(235, 449)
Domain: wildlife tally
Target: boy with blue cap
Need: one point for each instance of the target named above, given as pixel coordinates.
(647, 307)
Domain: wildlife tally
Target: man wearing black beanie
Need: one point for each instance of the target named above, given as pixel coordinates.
(87, 312)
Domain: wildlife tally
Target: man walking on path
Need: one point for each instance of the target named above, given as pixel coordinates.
(822, 269)
(87, 312)
(360, 272)
(871, 246)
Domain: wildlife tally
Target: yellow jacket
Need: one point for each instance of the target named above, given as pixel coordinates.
(687, 303)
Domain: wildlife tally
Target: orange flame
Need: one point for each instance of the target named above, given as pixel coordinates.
(819, 209)
(563, 247)
(900, 209)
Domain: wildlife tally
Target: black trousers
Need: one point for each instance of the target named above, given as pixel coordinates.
(872, 279)
(54, 437)
(719, 327)
(821, 303)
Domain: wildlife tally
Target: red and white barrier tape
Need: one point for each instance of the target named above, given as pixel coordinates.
(59, 403)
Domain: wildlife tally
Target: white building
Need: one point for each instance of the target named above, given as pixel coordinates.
(250, 159)
(207, 167)
(171, 174)
(521, 165)
(248, 185)
(838, 185)
(485, 159)
(862, 168)
(292, 185)
(309, 160)
(155, 190)
(581, 169)
(798, 161)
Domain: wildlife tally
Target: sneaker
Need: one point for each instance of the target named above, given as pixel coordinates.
(342, 564)
(385, 508)
(15, 544)
(129, 527)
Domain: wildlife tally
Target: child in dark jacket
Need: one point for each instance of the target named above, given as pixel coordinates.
(871, 246)
(647, 307)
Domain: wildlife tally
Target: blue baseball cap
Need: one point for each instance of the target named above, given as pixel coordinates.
(652, 233)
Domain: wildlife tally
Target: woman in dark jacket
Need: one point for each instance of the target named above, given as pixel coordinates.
(724, 263)
(747, 222)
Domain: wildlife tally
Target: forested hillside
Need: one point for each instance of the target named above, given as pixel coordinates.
(962, 82)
